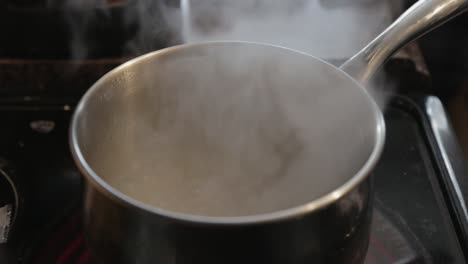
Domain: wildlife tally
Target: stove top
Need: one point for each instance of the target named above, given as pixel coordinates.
(418, 205)
(420, 215)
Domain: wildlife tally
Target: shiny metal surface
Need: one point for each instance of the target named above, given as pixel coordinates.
(330, 229)
(422, 17)
(450, 154)
(97, 111)
(118, 233)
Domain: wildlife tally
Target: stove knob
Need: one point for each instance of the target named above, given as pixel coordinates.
(9, 200)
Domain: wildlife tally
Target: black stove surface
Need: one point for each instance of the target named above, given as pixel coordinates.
(414, 222)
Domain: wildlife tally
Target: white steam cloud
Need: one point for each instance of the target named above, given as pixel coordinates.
(228, 135)
(321, 28)
(305, 25)
(331, 30)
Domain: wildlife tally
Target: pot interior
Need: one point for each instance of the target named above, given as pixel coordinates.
(226, 129)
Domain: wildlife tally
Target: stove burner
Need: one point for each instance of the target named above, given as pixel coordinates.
(388, 245)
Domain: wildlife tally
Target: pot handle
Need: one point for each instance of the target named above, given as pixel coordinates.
(422, 17)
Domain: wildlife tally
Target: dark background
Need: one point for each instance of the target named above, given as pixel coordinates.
(446, 54)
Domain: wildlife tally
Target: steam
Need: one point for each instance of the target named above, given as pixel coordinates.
(185, 8)
(118, 28)
(241, 129)
(304, 25)
(244, 132)
(333, 33)
(158, 25)
(330, 30)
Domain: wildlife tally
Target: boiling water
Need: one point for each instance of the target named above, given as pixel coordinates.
(237, 136)
(230, 135)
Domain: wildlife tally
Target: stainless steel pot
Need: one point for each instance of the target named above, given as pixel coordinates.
(116, 121)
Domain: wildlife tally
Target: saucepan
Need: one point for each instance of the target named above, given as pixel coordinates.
(236, 152)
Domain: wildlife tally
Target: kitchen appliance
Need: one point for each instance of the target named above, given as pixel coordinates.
(417, 216)
(132, 109)
(47, 229)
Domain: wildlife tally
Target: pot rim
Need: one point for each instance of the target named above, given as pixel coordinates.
(293, 212)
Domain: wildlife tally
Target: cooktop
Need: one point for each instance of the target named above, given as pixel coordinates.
(419, 208)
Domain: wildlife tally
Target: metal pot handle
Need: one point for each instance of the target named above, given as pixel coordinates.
(422, 17)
